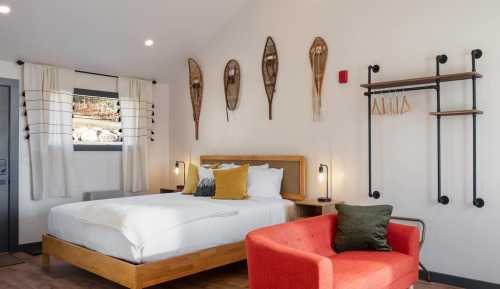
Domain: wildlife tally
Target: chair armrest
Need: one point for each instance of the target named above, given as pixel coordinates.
(404, 239)
(276, 266)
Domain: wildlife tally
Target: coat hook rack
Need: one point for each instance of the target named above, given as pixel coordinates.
(375, 194)
(440, 59)
(425, 83)
(478, 202)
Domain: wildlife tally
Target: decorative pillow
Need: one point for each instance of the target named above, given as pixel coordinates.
(362, 228)
(231, 184)
(205, 173)
(265, 183)
(191, 180)
(206, 188)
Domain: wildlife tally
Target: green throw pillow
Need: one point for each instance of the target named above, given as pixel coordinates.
(362, 228)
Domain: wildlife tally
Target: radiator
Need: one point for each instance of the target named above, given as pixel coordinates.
(102, 195)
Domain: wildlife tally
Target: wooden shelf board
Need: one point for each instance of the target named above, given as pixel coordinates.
(457, 112)
(422, 80)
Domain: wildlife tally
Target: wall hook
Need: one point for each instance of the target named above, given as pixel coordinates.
(479, 202)
(443, 200)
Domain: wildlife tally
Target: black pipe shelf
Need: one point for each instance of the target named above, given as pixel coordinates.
(422, 80)
(434, 83)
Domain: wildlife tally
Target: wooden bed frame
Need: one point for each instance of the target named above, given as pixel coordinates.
(138, 276)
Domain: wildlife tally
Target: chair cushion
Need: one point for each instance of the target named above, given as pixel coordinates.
(368, 269)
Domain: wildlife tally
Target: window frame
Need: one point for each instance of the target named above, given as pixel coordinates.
(93, 147)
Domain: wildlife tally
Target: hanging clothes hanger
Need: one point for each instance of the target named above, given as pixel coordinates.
(375, 106)
(391, 105)
(398, 103)
(405, 105)
(382, 100)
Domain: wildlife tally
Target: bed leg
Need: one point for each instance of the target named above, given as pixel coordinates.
(46, 262)
(137, 285)
(137, 281)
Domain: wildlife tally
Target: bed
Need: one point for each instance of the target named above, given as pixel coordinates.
(187, 247)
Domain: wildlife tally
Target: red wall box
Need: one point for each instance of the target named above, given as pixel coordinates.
(343, 76)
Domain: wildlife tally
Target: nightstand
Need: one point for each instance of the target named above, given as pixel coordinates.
(311, 208)
(168, 191)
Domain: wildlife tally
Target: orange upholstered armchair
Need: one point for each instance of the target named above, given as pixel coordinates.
(299, 255)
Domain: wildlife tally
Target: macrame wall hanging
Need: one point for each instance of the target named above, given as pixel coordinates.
(318, 55)
(196, 91)
(270, 71)
(232, 76)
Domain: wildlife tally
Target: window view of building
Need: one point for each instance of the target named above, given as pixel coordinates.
(96, 120)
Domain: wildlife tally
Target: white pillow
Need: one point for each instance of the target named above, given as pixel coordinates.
(208, 173)
(225, 166)
(265, 183)
(260, 167)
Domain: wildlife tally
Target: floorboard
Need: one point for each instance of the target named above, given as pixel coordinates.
(29, 275)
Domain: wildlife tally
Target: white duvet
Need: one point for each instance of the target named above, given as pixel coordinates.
(140, 218)
(201, 223)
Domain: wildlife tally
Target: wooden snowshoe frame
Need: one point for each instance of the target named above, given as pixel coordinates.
(196, 91)
(270, 63)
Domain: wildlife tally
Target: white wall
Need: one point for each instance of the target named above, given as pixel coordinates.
(403, 37)
(96, 170)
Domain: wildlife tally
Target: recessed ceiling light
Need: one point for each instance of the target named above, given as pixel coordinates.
(149, 42)
(4, 9)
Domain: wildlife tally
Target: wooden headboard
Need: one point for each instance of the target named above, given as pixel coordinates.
(293, 186)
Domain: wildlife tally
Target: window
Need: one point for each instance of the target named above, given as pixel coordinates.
(96, 120)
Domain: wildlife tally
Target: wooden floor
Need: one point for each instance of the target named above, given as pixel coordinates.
(63, 276)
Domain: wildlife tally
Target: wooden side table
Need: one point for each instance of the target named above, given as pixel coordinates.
(167, 191)
(312, 208)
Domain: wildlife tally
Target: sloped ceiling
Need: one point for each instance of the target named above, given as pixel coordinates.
(107, 36)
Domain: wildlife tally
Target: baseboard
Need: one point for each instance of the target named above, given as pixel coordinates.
(459, 281)
(33, 249)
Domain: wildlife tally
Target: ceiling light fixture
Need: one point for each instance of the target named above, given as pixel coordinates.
(4, 9)
(149, 42)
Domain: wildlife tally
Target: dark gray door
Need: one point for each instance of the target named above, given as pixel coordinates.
(4, 167)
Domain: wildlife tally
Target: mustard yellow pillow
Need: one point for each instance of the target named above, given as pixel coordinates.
(231, 184)
(191, 180)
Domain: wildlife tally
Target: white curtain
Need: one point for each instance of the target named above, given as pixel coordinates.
(49, 107)
(136, 103)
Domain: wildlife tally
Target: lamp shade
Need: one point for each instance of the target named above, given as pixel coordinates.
(321, 177)
(177, 164)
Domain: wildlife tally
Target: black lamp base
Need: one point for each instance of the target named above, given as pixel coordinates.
(324, 200)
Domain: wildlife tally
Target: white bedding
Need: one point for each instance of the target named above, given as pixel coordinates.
(129, 215)
(225, 222)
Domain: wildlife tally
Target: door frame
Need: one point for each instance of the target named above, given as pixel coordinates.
(13, 85)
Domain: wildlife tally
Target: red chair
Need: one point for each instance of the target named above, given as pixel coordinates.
(299, 255)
